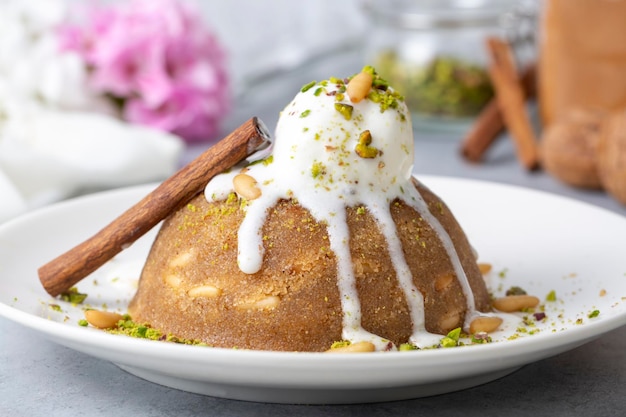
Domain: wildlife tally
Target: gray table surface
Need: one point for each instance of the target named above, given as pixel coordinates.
(41, 378)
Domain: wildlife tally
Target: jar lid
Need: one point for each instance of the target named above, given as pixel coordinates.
(429, 14)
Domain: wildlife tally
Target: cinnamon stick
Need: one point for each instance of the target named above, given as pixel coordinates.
(60, 274)
(511, 102)
(490, 122)
(483, 133)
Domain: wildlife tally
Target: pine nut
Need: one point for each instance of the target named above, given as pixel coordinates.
(450, 321)
(443, 281)
(268, 302)
(485, 268)
(359, 86)
(173, 280)
(181, 259)
(102, 319)
(512, 303)
(246, 186)
(207, 291)
(357, 347)
(485, 324)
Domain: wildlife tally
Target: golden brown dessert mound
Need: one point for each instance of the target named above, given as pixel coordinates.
(191, 285)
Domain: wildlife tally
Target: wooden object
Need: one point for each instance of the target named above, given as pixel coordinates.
(490, 122)
(511, 101)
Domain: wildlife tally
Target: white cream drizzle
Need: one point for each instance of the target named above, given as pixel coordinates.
(313, 137)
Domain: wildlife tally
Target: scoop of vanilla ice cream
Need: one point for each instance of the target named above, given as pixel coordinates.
(341, 146)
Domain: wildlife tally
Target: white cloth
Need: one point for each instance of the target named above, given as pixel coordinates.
(57, 138)
(48, 155)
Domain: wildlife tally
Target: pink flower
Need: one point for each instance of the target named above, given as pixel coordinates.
(159, 60)
(188, 113)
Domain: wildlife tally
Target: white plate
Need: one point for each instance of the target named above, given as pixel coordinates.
(538, 241)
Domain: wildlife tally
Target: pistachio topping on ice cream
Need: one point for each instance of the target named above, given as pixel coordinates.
(341, 143)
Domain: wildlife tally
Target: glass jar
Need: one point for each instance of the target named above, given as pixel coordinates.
(433, 52)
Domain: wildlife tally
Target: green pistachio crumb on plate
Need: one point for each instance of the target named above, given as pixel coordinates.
(452, 338)
(481, 337)
(73, 296)
(128, 327)
(406, 347)
(55, 307)
(340, 344)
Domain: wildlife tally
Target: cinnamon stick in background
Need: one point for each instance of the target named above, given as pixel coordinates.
(490, 122)
(511, 101)
(63, 272)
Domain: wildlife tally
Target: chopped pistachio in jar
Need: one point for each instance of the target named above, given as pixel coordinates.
(445, 86)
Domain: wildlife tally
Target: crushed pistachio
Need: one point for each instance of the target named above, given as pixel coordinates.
(363, 148)
(265, 161)
(386, 98)
(451, 339)
(406, 347)
(551, 296)
(308, 86)
(481, 337)
(447, 342)
(128, 327)
(83, 323)
(335, 80)
(369, 69)
(55, 307)
(317, 169)
(345, 110)
(445, 86)
(340, 344)
(380, 84)
(73, 296)
(515, 290)
(232, 198)
(594, 313)
(305, 113)
(380, 93)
